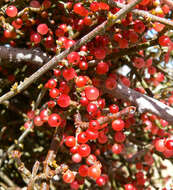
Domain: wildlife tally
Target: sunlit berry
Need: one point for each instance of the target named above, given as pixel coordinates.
(11, 11)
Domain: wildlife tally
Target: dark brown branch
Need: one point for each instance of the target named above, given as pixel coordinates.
(142, 102)
(17, 55)
(53, 62)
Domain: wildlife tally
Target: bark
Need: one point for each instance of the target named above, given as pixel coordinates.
(18, 55)
(142, 102)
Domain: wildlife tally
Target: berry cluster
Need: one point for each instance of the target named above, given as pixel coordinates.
(97, 141)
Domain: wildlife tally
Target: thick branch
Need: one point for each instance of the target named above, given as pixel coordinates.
(143, 102)
(53, 62)
(17, 55)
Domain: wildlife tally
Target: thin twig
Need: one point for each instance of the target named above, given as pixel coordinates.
(6, 179)
(2, 131)
(34, 173)
(50, 157)
(108, 118)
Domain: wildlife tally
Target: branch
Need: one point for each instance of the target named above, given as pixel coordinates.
(18, 55)
(53, 62)
(128, 111)
(146, 14)
(7, 180)
(142, 102)
(51, 155)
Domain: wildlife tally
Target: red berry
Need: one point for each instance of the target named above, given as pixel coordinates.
(117, 148)
(81, 81)
(9, 34)
(54, 120)
(169, 144)
(51, 104)
(68, 176)
(80, 9)
(84, 101)
(129, 187)
(68, 43)
(38, 121)
(91, 134)
(54, 92)
(102, 68)
(74, 185)
(103, 6)
(139, 62)
(110, 83)
(119, 137)
(70, 141)
(84, 150)
(139, 26)
(57, 72)
(91, 93)
(87, 21)
(94, 6)
(94, 125)
(94, 171)
(83, 65)
(144, 2)
(100, 53)
(83, 170)
(113, 108)
(82, 137)
(28, 124)
(118, 125)
(91, 108)
(69, 74)
(73, 58)
(44, 114)
(123, 43)
(42, 29)
(76, 158)
(51, 83)
(63, 100)
(11, 11)
(64, 88)
(35, 38)
(91, 159)
(101, 181)
(46, 4)
(74, 149)
(16, 26)
(133, 36)
(102, 138)
(164, 41)
(35, 4)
